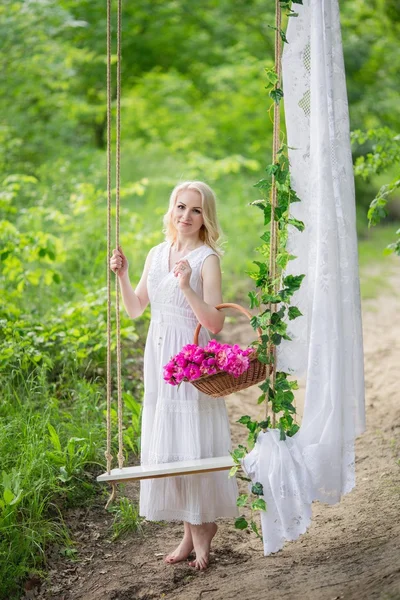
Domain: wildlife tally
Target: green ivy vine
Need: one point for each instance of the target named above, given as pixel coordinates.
(273, 297)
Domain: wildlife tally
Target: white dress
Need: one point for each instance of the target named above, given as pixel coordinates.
(180, 424)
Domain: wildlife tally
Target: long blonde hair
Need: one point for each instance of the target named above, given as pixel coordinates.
(210, 231)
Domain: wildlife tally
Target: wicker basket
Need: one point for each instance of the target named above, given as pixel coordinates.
(223, 384)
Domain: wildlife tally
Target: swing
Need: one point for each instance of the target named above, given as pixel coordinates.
(190, 467)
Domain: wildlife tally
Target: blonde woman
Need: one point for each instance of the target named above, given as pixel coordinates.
(182, 281)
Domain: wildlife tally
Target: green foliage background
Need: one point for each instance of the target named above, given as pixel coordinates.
(193, 106)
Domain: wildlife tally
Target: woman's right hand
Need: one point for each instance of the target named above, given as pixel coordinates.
(118, 262)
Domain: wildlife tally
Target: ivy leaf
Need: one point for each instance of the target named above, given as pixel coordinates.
(257, 489)
(262, 184)
(276, 339)
(260, 203)
(254, 301)
(294, 312)
(255, 529)
(267, 214)
(238, 453)
(293, 282)
(272, 76)
(266, 237)
(264, 386)
(294, 429)
(242, 500)
(283, 36)
(241, 523)
(297, 1)
(244, 420)
(259, 504)
(296, 223)
(293, 196)
(233, 471)
(265, 424)
(255, 322)
(263, 358)
(276, 95)
(272, 169)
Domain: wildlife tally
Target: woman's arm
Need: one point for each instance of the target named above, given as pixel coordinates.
(135, 301)
(204, 309)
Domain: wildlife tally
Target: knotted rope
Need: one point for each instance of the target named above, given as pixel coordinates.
(273, 196)
(107, 453)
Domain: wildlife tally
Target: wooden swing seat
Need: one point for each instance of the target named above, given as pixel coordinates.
(186, 467)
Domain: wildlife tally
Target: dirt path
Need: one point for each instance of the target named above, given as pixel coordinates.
(351, 550)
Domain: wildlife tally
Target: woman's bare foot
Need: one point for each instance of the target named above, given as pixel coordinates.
(202, 536)
(183, 550)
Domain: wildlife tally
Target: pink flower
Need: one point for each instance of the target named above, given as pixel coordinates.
(213, 346)
(222, 358)
(192, 372)
(193, 361)
(188, 351)
(179, 374)
(237, 364)
(181, 361)
(198, 356)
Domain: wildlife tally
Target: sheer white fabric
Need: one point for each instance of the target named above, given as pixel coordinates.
(180, 423)
(318, 462)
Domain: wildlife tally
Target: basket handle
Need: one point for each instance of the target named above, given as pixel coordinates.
(227, 305)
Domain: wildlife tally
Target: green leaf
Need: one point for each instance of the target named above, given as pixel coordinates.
(271, 76)
(294, 429)
(266, 237)
(272, 169)
(276, 339)
(261, 399)
(263, 184)
(267, 214)
(55, 440)
(294, 312)
(265, 424)
(257, 489)
(8, 496)
(242, 500)
(233, 471)
(241, 523)
(244, 420)
(276, 95)
(259, 203)
(255, 529)
(296, 223)
(63, 475)
(293, 282)
(254, 301)
(259, 504)
(283, 36)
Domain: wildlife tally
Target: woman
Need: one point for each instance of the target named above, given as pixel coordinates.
(182, 281)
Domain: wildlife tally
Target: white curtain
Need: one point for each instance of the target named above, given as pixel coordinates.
(327, 347)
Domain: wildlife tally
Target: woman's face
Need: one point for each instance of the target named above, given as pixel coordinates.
(187, 214)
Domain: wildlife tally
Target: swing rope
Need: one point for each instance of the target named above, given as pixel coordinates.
(107, 453)
(273, 198)
(273, 227)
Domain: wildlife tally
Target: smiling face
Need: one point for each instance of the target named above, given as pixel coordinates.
(187, 214)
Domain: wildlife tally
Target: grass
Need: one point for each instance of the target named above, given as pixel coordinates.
(376, 268)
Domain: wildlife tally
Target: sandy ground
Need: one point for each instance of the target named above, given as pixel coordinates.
(351, 550)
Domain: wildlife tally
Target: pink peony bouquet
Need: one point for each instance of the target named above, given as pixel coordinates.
(193, 361)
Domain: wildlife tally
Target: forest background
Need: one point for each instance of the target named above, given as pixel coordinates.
(194, 106)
